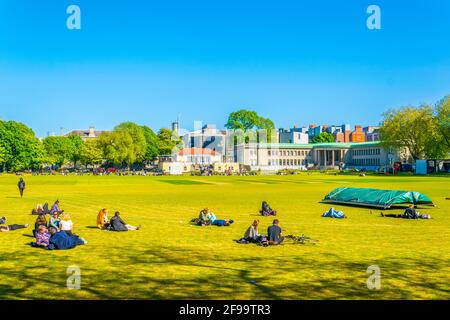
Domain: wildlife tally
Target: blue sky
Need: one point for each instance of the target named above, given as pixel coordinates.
(297, 62)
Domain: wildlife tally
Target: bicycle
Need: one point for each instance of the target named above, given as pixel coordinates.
(302, 239)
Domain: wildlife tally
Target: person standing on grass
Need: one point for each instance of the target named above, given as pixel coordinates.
(274, 233)
(21, 186)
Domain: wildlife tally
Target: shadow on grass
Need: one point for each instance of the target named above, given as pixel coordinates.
(210, 275)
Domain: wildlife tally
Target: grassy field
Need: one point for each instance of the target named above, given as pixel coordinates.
(169, 259)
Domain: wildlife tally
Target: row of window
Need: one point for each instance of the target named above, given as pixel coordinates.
(287, 162)
(367, 162)
(366, 152)
(285, 153)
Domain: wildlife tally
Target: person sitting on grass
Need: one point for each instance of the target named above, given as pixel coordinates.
(267, 210)
(42, 237)
(66, 224)
(252, 234)
(55, 208)
(10, 227)
(54, 220)
(410, 213)
(102, 219)
(62, 241)
(274, 233)
(204, 217)
(41, 220)
(117, 224)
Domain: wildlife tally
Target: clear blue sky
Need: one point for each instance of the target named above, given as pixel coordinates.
(297, 62)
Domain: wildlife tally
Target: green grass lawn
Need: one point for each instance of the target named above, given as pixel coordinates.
(169, 259)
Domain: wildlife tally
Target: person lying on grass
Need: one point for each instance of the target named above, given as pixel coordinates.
(62, 241)
(10, 227)
(274, 233)
(211, 218)
(102, 219)
(410, 213)
(207, 217)
(117, 224)
(267, 210)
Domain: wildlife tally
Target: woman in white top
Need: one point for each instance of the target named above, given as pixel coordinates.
(66, 224)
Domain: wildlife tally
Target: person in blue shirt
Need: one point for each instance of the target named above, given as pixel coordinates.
(274, 233)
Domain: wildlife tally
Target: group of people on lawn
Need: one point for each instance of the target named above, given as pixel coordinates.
(57, 233)
(274, 234)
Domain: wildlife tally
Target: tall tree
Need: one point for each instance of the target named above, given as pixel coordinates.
(323, 137)
(245, 120)
(91, 153)
(414, 129)
(168, 141)
(75, 148)
(443, 119)
(59, 150)
(22, 149)
(242, 120)
(151, 139)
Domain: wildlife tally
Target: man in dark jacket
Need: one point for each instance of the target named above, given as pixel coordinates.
(21, 186)
(274, 233)
(61, 241)
(117, 224)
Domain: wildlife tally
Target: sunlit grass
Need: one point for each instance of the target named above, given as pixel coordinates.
(168, 258)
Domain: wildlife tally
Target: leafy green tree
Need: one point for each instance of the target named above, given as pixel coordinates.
(59, 150)
(91, 153)
(151, 139)
(242, 120)
(137, 149)
(2, 156)
(75, 148)
(245, 120)
(168, 141)
(21, 148)
(443, 119)
(414, 129)
(323, 137)
(267, 126)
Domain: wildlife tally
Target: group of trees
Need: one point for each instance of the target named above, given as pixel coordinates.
(128, 144)
(424, 131)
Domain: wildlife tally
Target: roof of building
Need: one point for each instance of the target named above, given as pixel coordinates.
(343, 145)
(197, 151)
(86, 133)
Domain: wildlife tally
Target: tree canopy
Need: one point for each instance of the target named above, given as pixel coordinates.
(420, 130)
(20, 148)
(323, 137)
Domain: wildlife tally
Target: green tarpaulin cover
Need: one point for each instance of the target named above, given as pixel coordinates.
(376, 197)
